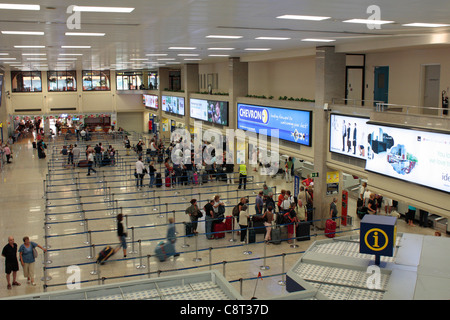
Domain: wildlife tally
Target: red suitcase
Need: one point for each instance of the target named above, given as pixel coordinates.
(229, 223)
(219, 230)
(168, 180)
(330, 228)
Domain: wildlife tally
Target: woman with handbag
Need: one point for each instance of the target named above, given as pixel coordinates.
(194, 214)
(28, 254)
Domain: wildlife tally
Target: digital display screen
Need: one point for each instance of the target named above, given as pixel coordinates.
(150, 101)
(209, 111)
(173, 105)
(293, 125)
(416, 156)
(348, 135)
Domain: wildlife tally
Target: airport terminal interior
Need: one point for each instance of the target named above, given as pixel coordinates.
(345, 103)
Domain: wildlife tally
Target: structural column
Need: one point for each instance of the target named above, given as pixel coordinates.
(330, 83)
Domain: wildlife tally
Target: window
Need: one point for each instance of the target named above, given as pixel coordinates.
(26, 81)
(96, 81)
(62, 81)
(152, 80)
(129, 80)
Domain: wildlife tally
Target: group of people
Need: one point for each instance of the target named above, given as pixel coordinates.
(27, 257)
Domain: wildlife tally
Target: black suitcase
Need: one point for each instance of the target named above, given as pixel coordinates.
(160, 157)
(188, 228)
(105, 254)
(275, 235)
(251, 235)
(158, 180)
(302, 231)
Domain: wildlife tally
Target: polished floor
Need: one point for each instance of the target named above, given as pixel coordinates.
(75, 219)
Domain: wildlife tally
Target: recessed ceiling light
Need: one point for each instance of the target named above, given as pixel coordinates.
(426, 25)
(272, 38)
(9, 6)
(85, 34)
(34, 54)
(7, 58)
(75, 47)
(192, 59)
(70, 54)
(36, 59)
(102, 9)
(156, 54)
(218, 55)
(165, 59)
(318, 40)
(187, 55)
(182, 48)
(223, 37)
(368, 21)
(257, 49)
(300, 17)
(28, 33)
(29, 47)
(67, 59)
(138, 59)
(173, 62)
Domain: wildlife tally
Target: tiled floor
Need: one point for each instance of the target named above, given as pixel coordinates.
(71, 233)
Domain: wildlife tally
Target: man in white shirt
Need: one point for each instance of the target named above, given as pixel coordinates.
(91, 163)
(139, 172)
(83, 134)
(76, 155)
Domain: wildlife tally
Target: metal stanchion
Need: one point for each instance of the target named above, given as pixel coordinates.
(196, 259)
(91, 254)
(140, 266)
(264, 266)
(282, 282)
(294, 245)
(148, 263)
(132, 251)
(224, 267)
(247, 252)
(88, 240)
(210, 258)
(232, 228)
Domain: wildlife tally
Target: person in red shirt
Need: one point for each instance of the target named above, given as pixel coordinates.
(307, 181)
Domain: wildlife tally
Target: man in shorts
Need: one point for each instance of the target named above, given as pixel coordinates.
(11, 263)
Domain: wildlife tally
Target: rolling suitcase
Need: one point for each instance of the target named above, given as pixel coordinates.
(164, 250)
(188, 228)
(219, 230)
(302, 231)
(158, 181)
(105, 254)
(251, 235)
(168, 180)
(195, 178)
(330, 228)
(229, 223)
(83, 164)
(275, 235)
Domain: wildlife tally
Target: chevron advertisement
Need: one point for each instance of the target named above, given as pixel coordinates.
(293, 125)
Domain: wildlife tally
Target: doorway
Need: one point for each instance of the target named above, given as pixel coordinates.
(381, 84)
(430, 90)
(354, 93)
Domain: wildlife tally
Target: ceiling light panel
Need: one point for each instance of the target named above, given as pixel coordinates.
(85, 34)
(221, 49)
(34, 54)
(8, 6)
(26, 33)
(302, 17)
(29, 47)
(182, 48)
(212, 36)
(103, 9)
(425, 25)
(75, 47)
(368, 21)
(257, 49)
(272, 38)
(318, 40)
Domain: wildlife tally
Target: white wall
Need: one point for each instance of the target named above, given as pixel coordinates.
(405, 72)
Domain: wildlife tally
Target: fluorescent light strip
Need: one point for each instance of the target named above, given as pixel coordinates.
(29, 47)
(187, 55)
(8, 6)
(166, 59)
(34, 54)
(67, 59)
(368, 21)
(102, 9)
(218, 55)
(272, 38)
(36, 59)
(4, 54)
(70, 54)
(226, 49)
(425, 25)
(192, 59)
(7, 58)
(318, 40)
(257, 49)
(85, 34)
(28, 33)
(75, 47)
(300, 17)
(138, 59)
(156, 54)
(182, 48)
(223, 37)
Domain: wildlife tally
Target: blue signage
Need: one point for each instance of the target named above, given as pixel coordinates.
(378, 235)
(292, 125)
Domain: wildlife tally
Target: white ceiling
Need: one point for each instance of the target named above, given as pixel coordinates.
(154, 26)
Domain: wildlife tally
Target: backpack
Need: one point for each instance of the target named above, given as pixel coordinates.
(235, 211)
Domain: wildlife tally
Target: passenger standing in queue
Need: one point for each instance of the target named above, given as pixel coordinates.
(242, 175)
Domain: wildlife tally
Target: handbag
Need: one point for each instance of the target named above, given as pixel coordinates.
(35, 253)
